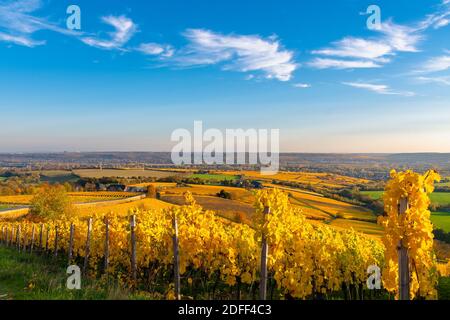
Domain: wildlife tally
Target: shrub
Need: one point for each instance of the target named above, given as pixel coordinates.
(51, 202)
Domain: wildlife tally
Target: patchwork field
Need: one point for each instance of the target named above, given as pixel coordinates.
(324, 180)
(5, 207)
(231, 209)
(214, 177)
(57, 176)
(441, 198)
(125, 173)
(123, 208)
(239, 194)
(314, 206)
(156, 184)
(77, 197)
(368, 228)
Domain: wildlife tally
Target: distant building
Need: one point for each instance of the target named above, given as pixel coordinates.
(116, 187)
(135, 189)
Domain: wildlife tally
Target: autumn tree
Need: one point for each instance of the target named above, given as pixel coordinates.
(51, 202)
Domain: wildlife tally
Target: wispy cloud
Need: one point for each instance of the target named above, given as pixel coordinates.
(438, 19)
(378, 88)
(351, 52)
(392, 38)
(20, 40)
(439, 80)
(435, 64)
(356, 48)
(244, 53)
(325, 63)
(302, 85)
(124, 29)
(18, 24)
(156, 49)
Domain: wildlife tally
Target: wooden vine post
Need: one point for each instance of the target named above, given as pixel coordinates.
(176, 257)
(7, 237)
(41, 234)
(56, 241)
(71, 235)
(88, 246)
(264, 252)
(32, 239)
(106, 249)
(25, 239)
(18, 238)
(133, 248)
(403, 259)
(46, 239)
(11, 240)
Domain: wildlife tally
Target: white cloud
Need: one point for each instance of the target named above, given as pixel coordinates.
(324, 63)
(439, 80)
(436, 64)
(441, 23)
(370, 53)
(392, 39)
(438, 19)
(155, 49)
(378, 88)
(17, 23)
(400, 38)
(244, 53)
(302, 85)
(356, 48)
(124, 29)
(20, 40)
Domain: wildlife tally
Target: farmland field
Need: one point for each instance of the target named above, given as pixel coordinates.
(77, 197)
(443, 184)
(58, 176)
(214, 177)
(441, 220)
(155, 184)
(368, 228)
(226, 208)
(123, 208)
(441, 198)
(125, 173)
(5, 207)
(321, 180)
(313, 206)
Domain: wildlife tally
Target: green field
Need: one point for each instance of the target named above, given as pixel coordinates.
(214, 177)
(4, 207)
(124, 173)
(441, 198)
(3, 179)
(58, 176)
(441, 220)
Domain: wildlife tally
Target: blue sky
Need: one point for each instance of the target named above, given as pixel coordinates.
(137, 70)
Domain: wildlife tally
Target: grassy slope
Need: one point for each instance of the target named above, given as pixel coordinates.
(33, 277)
